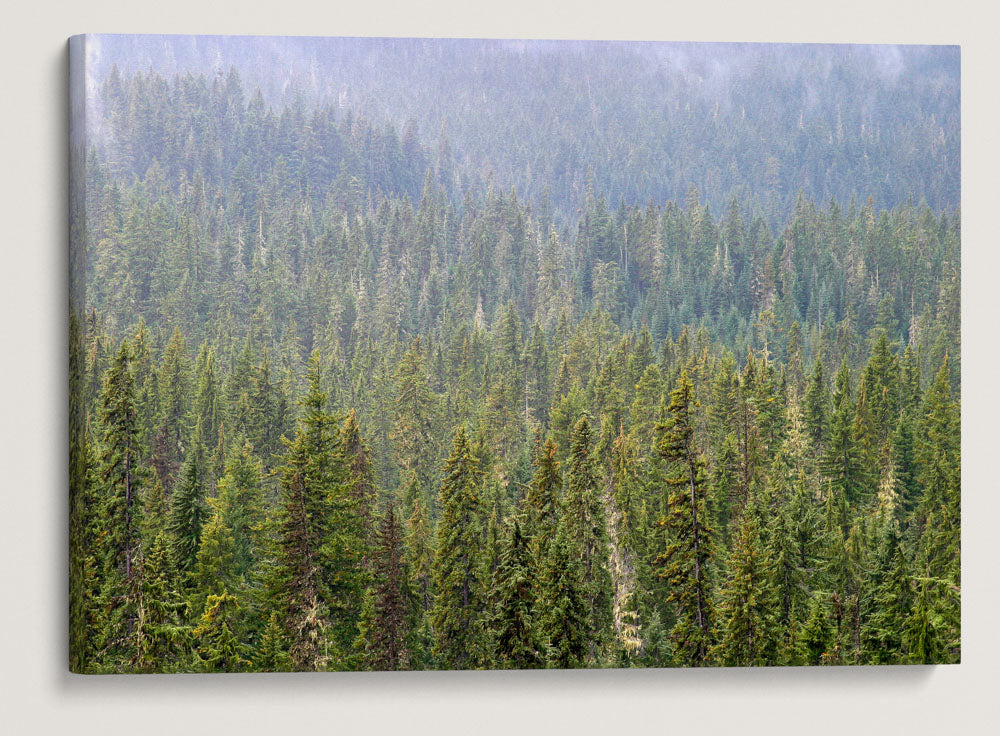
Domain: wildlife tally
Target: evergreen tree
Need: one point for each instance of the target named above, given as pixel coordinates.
(514, 641)
(387, 613)
(412, 433)
(748, 607)
(419, 559)
(816, 407)
(161, 636)
(841, 460)
(120, 474)
(316, 581)
(689, 543)
(218, 646)
(562, 603)
(814, 643)
(173, 402)
(888, 608)
(584, 516)
(188, 514)
(271, 654)
(458, 604)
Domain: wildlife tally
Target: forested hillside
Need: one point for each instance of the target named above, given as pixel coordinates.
(758, 122)
(358, 399)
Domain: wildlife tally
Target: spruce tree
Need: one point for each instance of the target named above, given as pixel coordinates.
(241, 508)
(815, 639)
(161, 636)
(841, 461)
(271, 653)
(419, 559)
(888, 603)
(310, 577)
(120, 475)
(359, 477)
(816, 405)
(173, 401)
(541, 502)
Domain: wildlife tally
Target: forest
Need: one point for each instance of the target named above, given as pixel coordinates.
(344, 399)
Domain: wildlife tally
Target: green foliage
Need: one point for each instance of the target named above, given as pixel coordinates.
(514, 634)
(563, 611)
(686, 559)
(586, 525)
(218, 647)
(387, 612)
(458, 605)
(188, 513)
(747, 600)
(728, 511)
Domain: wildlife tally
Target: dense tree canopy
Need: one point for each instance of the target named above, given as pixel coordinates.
(353, 402)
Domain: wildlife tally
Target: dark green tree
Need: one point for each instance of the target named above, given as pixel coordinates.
(685, 562)
(458, 605)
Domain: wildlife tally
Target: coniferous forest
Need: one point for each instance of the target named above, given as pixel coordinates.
(513, 355)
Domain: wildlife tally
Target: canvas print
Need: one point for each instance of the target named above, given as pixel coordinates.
(415, 354)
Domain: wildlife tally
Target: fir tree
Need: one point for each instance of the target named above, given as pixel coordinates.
(514, 642)
(307, 570)
(814, 642)
(841, 460)
(584, 515)
(562, 604)
(687, 556)
(218, 646)
(386, 619)
(188, 514)
(459, 597)
(748, 607)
